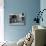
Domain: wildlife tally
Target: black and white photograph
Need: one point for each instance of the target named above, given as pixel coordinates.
(17, 19)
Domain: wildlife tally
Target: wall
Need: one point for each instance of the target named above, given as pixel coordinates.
(42, 6)
(29, 7)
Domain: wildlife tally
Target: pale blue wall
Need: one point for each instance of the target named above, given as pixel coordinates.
(29, 7)
(43, 6)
